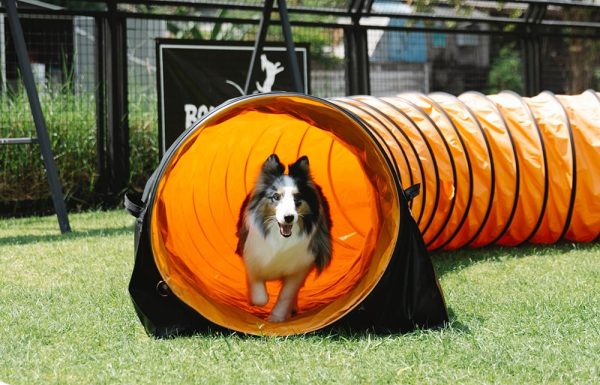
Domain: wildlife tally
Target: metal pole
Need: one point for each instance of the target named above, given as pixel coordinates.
(351, 70)
(38, 117)
(102, 185)
(117, 133)
(532, 46)
(259, 42)
(357, 53)
(289, 42)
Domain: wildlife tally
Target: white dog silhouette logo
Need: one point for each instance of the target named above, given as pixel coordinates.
(272, 70)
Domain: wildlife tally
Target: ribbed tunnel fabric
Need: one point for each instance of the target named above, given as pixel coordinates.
(200, 192)
(498, 169)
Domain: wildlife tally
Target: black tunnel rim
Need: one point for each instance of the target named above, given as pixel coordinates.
(469, 169)
(492, 173)
(343, 101)
(452, 164)
(168, 155)
(597, 98)
(371, 107)
(433, 158)
(544, 159)
(447, 148)
(574, 168)
(415, 152)
(517, 165)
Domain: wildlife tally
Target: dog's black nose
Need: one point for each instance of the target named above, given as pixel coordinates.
(288, 218)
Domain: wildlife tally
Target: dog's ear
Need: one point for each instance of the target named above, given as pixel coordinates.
(299, 169)
(272, 166)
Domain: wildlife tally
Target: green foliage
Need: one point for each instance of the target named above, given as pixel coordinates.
(185, 31)
(321, 41)
(70, 118)
(204, 31)
(506, 72)
(318, 3)
(462, 7)
(527, 315)
(597, 78)
(143, 138)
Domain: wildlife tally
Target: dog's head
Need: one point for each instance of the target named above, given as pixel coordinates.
(287, 202)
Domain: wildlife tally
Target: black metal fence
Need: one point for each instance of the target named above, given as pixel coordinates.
(94, 63)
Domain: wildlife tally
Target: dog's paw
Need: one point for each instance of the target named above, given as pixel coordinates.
(276, 318)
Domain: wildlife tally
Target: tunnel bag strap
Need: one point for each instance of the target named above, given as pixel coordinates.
(412, 191)
(133, 203)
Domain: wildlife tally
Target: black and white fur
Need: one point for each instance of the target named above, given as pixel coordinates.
(283, 231)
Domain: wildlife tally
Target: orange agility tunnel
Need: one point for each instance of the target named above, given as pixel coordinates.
(491, 169)
(497, 169)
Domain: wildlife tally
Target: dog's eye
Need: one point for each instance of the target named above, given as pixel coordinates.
(275, 196)
(298, 202)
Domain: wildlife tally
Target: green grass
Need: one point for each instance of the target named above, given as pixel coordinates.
(527, 315)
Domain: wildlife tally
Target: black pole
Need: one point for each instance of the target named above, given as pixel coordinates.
(117, 132)
(259, 42)
(38, 117)
(532, 65)
(357, 61)
(289, 42)
(532, 46)
(102, 185)
(357, 52)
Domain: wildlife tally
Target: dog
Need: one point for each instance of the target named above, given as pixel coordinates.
(284, 231)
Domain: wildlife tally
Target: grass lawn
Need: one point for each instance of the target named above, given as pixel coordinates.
(528, 315)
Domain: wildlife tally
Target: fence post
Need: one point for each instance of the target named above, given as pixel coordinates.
(532, 48)
(357, 52)
(38, 116)
(532, 65)
(290, 47)
(101, 186)
(259, 42)
(117, 122)
(357, 60)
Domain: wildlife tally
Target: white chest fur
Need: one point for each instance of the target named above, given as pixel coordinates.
(275, 257)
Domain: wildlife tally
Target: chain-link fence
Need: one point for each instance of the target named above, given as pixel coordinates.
(419, 46)
(62, 56)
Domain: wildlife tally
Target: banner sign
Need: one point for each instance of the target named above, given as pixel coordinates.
(196, 76)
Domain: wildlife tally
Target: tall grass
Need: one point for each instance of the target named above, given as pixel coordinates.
(143, 136)
(71, 121)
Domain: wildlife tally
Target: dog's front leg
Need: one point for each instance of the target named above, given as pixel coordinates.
(288, 296)
(258, 291)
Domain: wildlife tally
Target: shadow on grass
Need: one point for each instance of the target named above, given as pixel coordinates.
(76, 234)
(456, 260)
(454, 324)
(338, 332)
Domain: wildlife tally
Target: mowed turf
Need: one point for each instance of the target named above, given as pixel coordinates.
(528, 315)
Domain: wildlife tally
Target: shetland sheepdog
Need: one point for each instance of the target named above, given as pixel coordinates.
(284, 231)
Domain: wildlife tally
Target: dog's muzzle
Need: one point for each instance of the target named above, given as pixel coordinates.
(285, 229)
